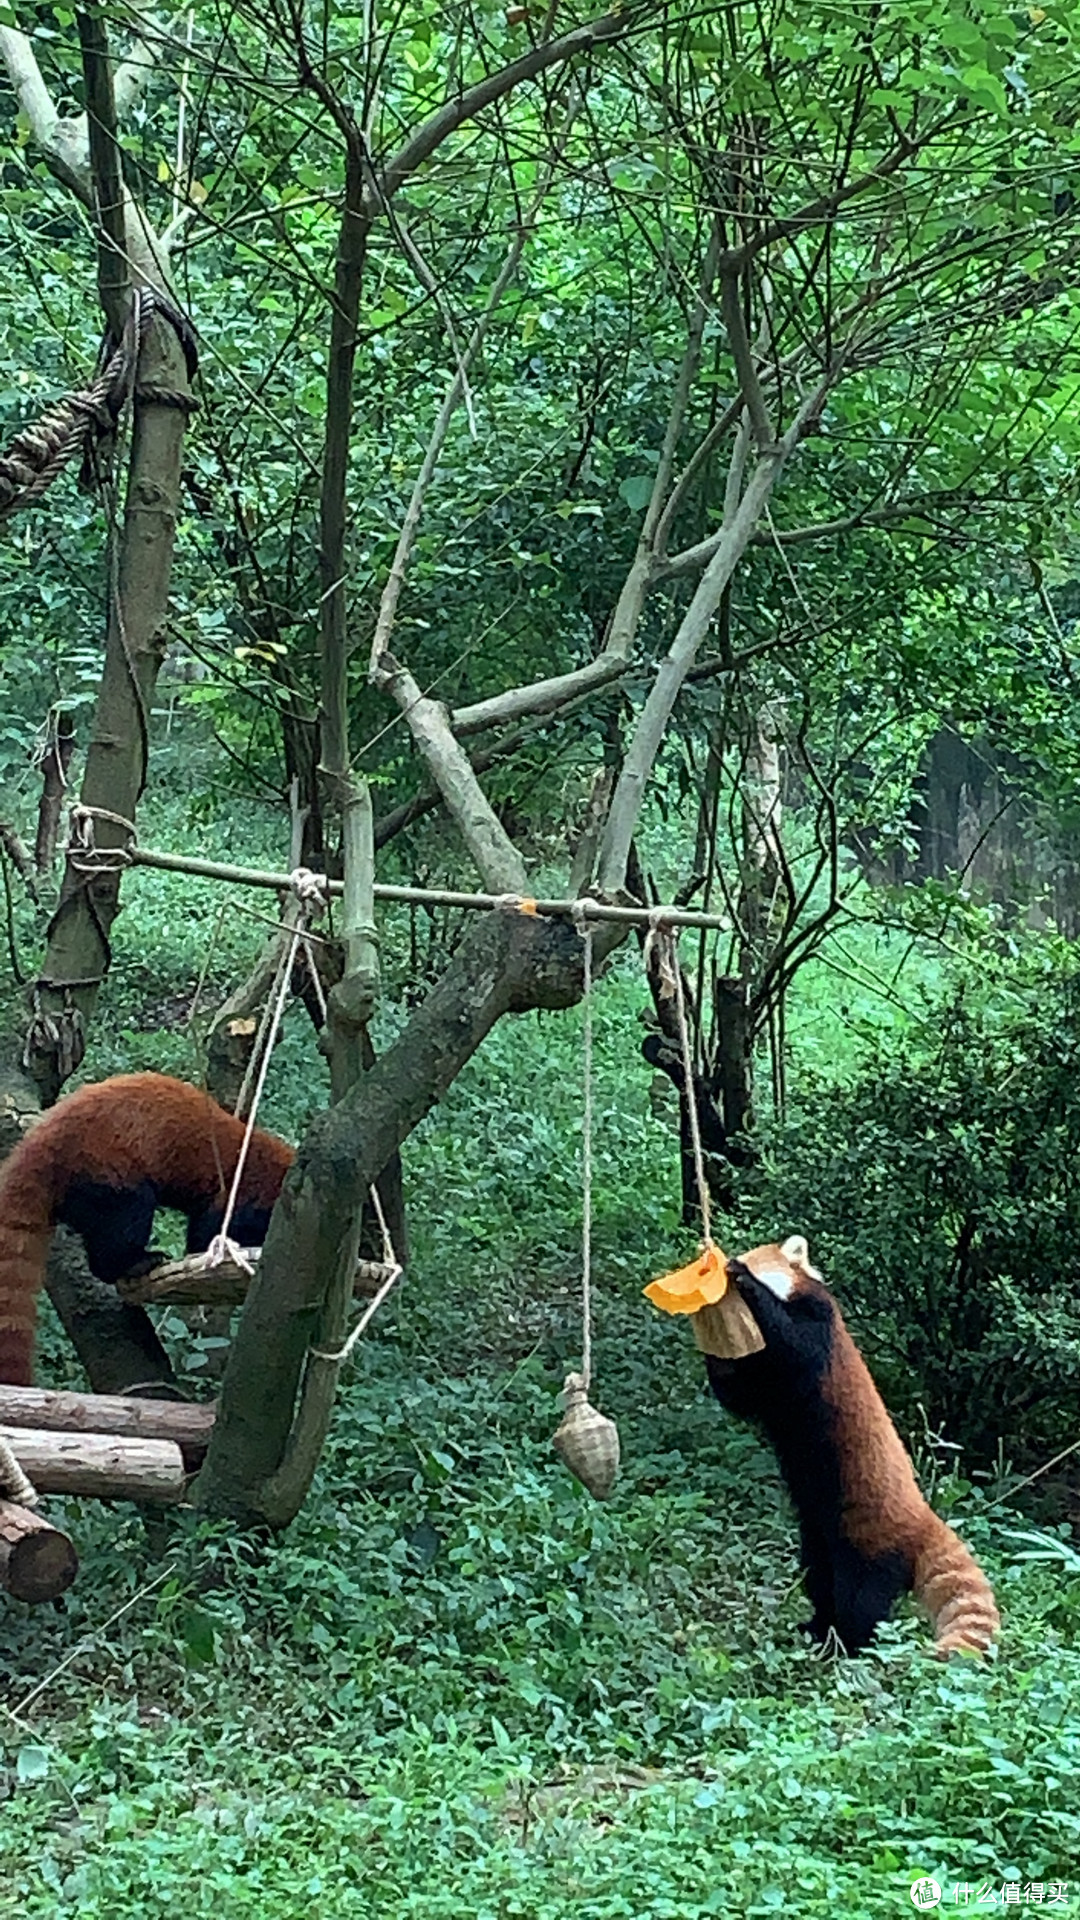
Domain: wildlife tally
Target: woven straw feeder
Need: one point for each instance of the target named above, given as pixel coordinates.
(587, 1441)
(723, 1323)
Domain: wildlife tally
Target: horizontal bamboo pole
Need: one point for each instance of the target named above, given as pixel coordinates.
(37, 1561)
(187, 1423)
(99, 1464)
(433, 896)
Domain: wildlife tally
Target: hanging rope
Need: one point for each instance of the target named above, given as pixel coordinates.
(723, 1323)
(587, 1441)
(14, 1484)
(393, 1275)
(42, 450)
(309, 895)
(670, 960)
(581, 922)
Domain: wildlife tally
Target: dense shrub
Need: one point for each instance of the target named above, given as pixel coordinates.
(939, 1189)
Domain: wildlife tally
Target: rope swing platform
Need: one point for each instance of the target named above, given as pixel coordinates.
(110, 1446)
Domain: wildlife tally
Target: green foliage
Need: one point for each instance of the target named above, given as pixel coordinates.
(459, 1687)
(941, 1178)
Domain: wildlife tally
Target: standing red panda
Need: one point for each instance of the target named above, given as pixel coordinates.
(102, 1161)
(867, 1534)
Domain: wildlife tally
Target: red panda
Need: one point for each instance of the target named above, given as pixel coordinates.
(102, 1161)
(867, 1534)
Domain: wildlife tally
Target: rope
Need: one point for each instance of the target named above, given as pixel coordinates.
(305, 886)
(338, 1358)
(308, 888)
(14, 1484)
(43, 449)
(394, 1273)
(579, 915)
(84, 855)
(663, 939)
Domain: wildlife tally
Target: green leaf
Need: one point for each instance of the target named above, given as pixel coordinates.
(32, 1763)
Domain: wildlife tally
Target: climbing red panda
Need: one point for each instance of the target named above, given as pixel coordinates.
(867, 1534)
(101, 1162)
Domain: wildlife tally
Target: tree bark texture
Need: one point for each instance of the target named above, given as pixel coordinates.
(55, 762)
(78, 950)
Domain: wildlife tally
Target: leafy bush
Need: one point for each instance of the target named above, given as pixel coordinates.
(939, 1189)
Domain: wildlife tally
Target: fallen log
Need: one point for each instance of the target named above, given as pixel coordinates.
(37, 1561)
(188, 1423)
(103, 1465)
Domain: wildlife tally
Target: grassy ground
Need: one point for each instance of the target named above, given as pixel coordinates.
(457, 1687)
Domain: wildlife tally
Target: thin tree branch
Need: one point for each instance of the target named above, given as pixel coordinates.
(113, 279)
(749, 384)
(495, 86)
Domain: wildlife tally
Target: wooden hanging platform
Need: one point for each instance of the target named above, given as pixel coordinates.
(197, 1282)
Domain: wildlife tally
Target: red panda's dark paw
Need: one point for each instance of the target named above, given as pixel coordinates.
(146, 1262)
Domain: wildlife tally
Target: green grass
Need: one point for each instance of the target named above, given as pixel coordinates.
(457, 1687)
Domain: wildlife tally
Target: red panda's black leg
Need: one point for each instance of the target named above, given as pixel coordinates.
(817, 1581)
(866, 1590)
(114, 1223)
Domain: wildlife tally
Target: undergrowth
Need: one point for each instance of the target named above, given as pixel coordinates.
(457, 1686)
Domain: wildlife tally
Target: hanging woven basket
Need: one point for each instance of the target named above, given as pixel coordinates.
(723, 1323)
(587, 1441)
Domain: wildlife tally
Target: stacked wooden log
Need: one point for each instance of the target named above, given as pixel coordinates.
(103, 1445)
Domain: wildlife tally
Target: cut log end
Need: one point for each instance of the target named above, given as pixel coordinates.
(37, 1561)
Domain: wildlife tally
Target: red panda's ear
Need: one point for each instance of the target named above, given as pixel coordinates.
(797, 1254)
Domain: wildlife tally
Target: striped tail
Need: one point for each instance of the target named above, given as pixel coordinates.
(23, 1252)
(955, 1592)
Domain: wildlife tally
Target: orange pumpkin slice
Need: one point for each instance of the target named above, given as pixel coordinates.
(688, 1289)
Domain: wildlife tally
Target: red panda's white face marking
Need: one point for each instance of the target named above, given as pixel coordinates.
(797, 1253)
(781, 1268)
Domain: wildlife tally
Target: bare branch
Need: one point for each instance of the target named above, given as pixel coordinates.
(627, 615)
(440, 125)
(391, 593)
(827, 204)
(749, 384)
(673, 669)
(496, 858)
(63, 142)
(541, 696)
(104, 153)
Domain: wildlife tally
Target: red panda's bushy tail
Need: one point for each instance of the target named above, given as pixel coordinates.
(955, 1592)
(23, 1252)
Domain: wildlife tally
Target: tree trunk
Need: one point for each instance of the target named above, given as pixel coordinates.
(78, 952)
(508, 962)
(114, 1339)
